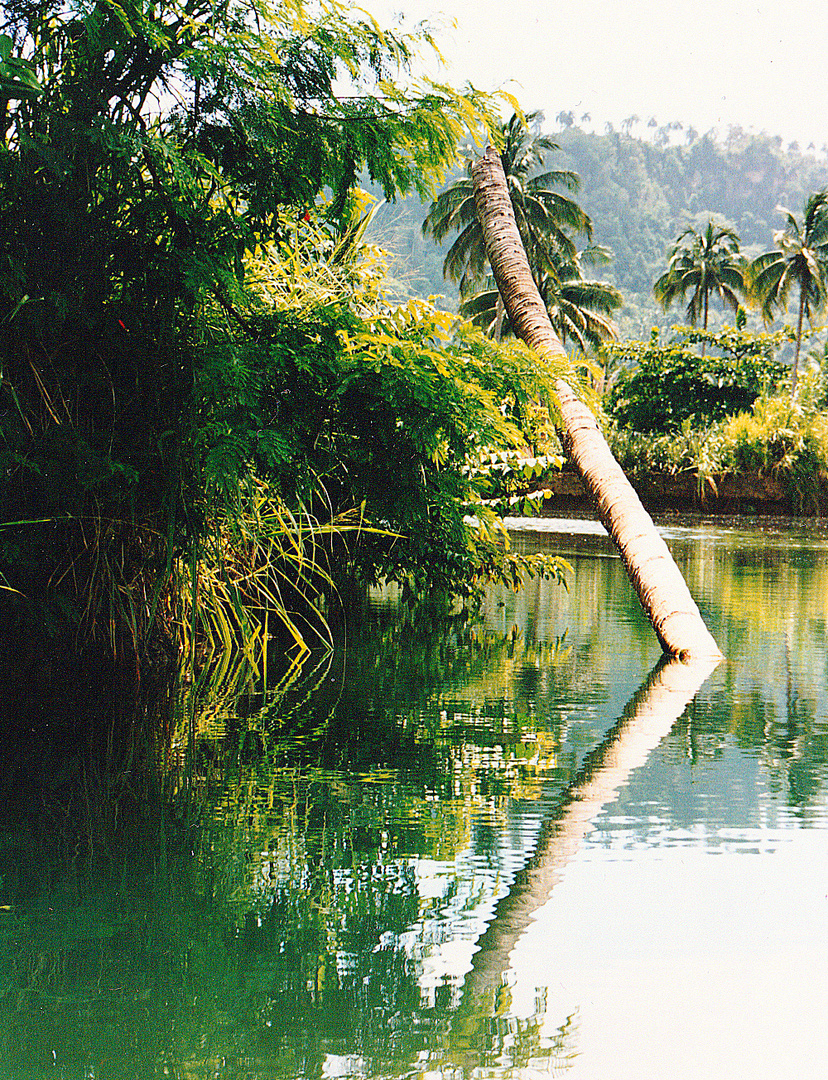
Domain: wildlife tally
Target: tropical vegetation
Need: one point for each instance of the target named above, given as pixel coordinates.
(799, 261)
(730, 412)
(641, 189)
(662, 387)
(220, 401)
(210, 408)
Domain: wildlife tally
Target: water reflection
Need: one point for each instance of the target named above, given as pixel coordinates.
(648, 718)
(335, 877)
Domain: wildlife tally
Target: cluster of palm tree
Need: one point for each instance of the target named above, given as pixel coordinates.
(549, 223)
(709, 262)
(703, 263)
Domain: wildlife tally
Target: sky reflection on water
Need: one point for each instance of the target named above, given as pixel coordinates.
(689, 935)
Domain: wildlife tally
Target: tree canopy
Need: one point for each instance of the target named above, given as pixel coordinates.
(548, 223)
(172, 396)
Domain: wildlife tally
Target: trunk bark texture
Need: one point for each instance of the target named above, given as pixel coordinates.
(650, 566)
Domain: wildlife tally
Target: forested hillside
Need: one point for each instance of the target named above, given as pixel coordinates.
(640, 193)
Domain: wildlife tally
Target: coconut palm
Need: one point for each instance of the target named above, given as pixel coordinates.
(545, 217)
(800, 259)
(580, 309)
(702, 263)
(658, 581)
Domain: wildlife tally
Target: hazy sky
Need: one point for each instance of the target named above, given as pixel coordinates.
(709, 63)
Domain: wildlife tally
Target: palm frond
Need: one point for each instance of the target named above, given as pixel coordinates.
(564, 178)
(701, 263)
(800, 259)
(593, 296)
(545, 218)
(452, 209)
(463, 258)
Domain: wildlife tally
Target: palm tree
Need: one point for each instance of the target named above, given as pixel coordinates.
(544, 216)
(801, 259)
(580, 309)
(702, 263)
(656, 578)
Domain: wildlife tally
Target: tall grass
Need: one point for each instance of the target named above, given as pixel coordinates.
(785, 437)
(259, 572)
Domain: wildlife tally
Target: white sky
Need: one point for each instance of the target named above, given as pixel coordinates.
(709, 63)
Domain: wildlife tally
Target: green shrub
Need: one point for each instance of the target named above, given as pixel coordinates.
(154, 158)
(784, 436)
(663, 387)
(686, 450)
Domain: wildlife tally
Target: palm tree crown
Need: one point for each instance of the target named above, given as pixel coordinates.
(545, 217)
(580, 309)
(800, 259)
(702, 263)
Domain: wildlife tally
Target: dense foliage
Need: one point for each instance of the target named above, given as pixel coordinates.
(180, 406)
(382, 413)
(780, 437)
(659, 387)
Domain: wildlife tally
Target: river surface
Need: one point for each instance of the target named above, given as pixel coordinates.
(510, 848)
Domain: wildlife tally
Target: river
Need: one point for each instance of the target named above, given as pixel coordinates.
(448, 849)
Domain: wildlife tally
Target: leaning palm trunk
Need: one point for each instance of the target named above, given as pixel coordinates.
(656, 578)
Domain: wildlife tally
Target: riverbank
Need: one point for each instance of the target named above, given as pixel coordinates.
(733, 494)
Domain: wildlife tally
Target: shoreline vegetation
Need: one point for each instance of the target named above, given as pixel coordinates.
(221, 417)
(741, 495)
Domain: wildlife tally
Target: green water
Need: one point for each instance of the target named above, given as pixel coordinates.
(431, 856)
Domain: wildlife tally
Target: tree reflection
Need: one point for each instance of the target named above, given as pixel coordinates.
(291, 879)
